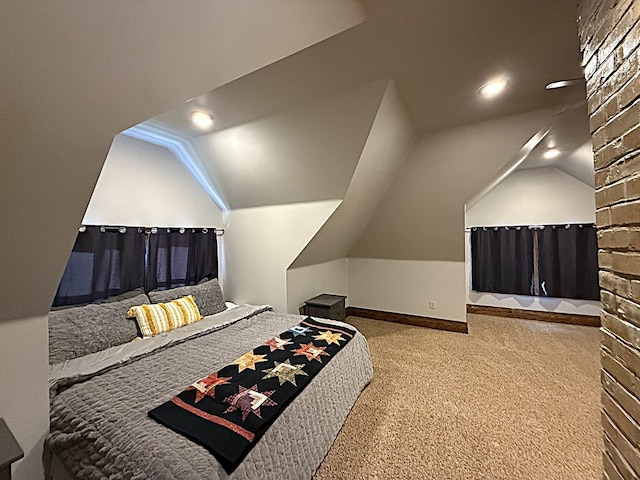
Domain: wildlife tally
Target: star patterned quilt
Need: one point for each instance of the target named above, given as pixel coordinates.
(228, 411)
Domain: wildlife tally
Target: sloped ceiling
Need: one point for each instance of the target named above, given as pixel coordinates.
(421, 217)
(388, 144)
(438, 52)
(74, 74)
(306, 154)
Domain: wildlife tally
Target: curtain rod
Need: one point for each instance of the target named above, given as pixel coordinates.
(218, 231)
(533, 227)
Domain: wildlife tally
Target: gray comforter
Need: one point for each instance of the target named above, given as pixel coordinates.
(99, 422)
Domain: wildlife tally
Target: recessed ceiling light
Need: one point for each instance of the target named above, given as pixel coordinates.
(493, 88)
(563, 83)
(201, 119)
(551, 153)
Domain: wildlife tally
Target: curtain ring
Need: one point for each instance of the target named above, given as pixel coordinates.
(567, 226)
(506, 228)
(205, 230)
(181, 229)
(580, 225)
(102, 229)
(82, 229)
(484, 228)
(154, 230)
(495, 229)
(122, 229)
(518, 228)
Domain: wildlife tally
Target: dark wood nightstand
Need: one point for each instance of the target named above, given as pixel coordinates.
(10, 451)
(325, 306)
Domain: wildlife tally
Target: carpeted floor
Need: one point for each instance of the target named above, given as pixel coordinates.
(513, 399)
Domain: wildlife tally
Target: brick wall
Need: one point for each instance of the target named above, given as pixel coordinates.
(609, 33)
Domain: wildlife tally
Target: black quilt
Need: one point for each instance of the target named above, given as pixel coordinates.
(229, 411)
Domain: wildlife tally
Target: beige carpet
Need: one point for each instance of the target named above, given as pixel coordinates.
(513, 399)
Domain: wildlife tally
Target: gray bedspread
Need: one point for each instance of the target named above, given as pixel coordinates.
(100, 427)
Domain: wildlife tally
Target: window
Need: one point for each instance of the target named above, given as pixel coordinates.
(551, 260)
(107, 261)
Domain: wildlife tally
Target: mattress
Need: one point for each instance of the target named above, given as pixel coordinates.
(99, 404)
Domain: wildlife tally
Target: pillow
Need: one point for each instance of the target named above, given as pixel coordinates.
(114, 298)
(164, 317)
(78, 331)
(207, 295)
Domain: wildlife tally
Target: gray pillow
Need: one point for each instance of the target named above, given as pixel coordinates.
(208, 296)
(115, 298)
(78, 331)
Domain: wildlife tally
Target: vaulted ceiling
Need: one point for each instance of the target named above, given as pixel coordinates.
(438, 53)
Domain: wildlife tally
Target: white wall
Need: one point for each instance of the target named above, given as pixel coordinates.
(306, 282)
(538, 196)
(144, 184)
(261, 243)
(407, 286)
(24, 398)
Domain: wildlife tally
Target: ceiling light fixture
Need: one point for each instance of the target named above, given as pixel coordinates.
(564, 83)
(201, 119)
(493, 88)
(551, 153)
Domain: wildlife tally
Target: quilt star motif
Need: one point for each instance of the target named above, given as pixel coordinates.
(310, 351)
(206, 386)
(249, 400)
(285, 372)
(329, 337)
(299, 330)
(248, 361)
(277, 343)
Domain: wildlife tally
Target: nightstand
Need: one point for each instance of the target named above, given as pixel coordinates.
(10, 451)
(325, 306)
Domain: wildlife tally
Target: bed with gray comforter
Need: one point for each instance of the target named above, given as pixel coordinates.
(100, 401)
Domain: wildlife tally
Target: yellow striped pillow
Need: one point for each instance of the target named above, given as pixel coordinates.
(163, 317)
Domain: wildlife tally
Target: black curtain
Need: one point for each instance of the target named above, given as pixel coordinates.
(175, 259)
(502, 260)
(103, 262)
(568, 262)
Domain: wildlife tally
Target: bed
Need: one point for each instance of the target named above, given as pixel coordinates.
(100, 427)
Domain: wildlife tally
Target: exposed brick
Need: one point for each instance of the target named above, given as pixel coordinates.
(629, 165)
(610, 470)
(616, 83)
(610, 194)
(625, 330)
(630, 91)
(609, 33)
(628, 263)
(635, 290)
(630, 453)
(600, 178)
(609, 301)
(622, 123)
(619, 464)
(623, 376)
(633, 236)
(622, 419)
(625, 214)
(632, 188)
(625, 354)
(605, 260)
(621, 29)
(631, 40)
(628, 311)
(603, 217)
(609, 154)
(613, 283)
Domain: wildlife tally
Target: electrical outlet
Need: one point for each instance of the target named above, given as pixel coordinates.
(432, 305)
